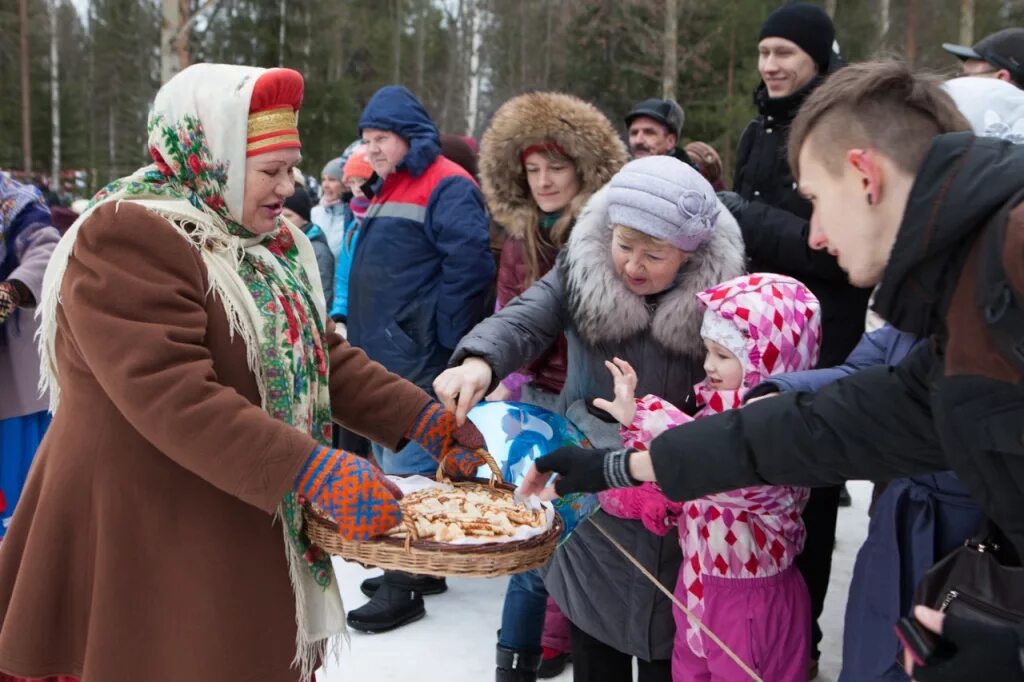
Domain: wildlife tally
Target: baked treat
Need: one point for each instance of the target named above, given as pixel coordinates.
(453, 513)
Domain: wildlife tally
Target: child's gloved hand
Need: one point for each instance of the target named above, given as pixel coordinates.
(351, 492)
(454, 446)
(580, 470)
(623, 407)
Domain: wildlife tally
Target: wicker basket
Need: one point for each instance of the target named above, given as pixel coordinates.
(427, 557)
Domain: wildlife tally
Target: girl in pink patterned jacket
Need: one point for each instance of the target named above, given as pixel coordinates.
(737, 574)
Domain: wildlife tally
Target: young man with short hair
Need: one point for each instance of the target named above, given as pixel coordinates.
(907, 199)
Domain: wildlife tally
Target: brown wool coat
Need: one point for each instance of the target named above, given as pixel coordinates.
(143, 547)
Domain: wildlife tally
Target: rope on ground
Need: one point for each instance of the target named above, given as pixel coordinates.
(689, 614)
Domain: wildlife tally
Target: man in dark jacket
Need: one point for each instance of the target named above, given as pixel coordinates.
(419, 281)
(795, 54)
(930, 218)
(654, 128)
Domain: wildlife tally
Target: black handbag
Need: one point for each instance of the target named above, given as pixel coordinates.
(980, 581)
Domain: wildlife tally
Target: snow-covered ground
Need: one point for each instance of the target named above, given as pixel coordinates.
(455, 641)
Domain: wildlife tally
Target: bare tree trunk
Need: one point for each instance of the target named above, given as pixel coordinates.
(522, 44)
(55, 183)
(112, 171)
(910, 40)
(472, 110)
(281, 32)
(26, 100)
(670, 65)
(168, 34)
(966, 22)
(421, 44)
(830, 8)
(549, 14)
(884, 9)
(454, 66)
(730, 84)
(396, 73)
(185, 19)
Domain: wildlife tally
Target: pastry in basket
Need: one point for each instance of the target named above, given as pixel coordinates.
(453, 513)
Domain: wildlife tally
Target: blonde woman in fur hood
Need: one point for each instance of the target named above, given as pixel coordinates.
(625, 286)
(542, 157)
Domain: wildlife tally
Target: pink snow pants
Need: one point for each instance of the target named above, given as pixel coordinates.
(765, 621)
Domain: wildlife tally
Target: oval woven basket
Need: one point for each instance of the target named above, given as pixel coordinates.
(427, 557)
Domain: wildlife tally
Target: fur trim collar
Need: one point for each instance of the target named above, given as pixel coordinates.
(576, 126)
(604, 310)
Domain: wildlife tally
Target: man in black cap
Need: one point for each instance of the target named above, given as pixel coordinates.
(1000, 55)
(654, 127)
(795, 54)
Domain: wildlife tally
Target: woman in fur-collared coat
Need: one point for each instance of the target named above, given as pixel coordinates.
(542, 157)
(624, 287)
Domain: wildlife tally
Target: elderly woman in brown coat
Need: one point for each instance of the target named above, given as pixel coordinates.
(195, 375)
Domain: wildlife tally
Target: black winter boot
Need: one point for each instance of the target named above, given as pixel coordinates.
(392, 606)
(424, 584)
(515, 665)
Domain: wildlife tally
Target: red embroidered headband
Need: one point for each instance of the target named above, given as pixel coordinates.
(273, 112)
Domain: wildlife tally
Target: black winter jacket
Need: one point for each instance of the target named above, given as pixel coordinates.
(954, 403)
(776, 224)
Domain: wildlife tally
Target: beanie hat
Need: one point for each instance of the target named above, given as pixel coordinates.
(665, 198)
(299, 202)
(806, 25)
(357, 166)
(332, 169)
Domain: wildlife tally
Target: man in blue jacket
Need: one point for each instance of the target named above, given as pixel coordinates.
(419, 281)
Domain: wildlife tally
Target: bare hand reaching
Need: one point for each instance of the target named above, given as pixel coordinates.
(623, 407)
(460, 388)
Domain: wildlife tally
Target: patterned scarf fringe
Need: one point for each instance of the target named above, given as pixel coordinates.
(309, 652)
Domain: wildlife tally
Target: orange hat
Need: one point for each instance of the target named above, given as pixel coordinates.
(357, 166)
(273, 112)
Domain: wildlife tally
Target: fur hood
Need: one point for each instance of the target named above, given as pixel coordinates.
(604, 310)
(576, 126)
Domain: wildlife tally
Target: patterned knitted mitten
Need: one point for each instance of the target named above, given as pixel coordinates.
(436, 432)
(9, 300)
(350, 491)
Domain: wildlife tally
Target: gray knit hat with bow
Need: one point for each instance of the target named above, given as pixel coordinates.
(665, 198)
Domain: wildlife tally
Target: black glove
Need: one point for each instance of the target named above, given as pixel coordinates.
(734, 202)
(979, 651)
(585, 470)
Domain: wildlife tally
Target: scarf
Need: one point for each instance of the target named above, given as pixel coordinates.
(269, 285)
(359, 206)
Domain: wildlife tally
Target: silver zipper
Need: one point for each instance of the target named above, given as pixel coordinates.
(950, 597)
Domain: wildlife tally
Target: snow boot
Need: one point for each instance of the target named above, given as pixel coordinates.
(424, 584)
(392, 606)
(516, 665)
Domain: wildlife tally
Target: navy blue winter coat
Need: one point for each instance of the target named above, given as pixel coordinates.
(916, 522)
(423, 267)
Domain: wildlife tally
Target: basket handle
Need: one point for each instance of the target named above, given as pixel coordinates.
(496, 477)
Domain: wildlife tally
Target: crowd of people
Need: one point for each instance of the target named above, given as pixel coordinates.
(219, 346)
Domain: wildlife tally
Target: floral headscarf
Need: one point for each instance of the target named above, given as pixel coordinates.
(17, 201)
(269, 285)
